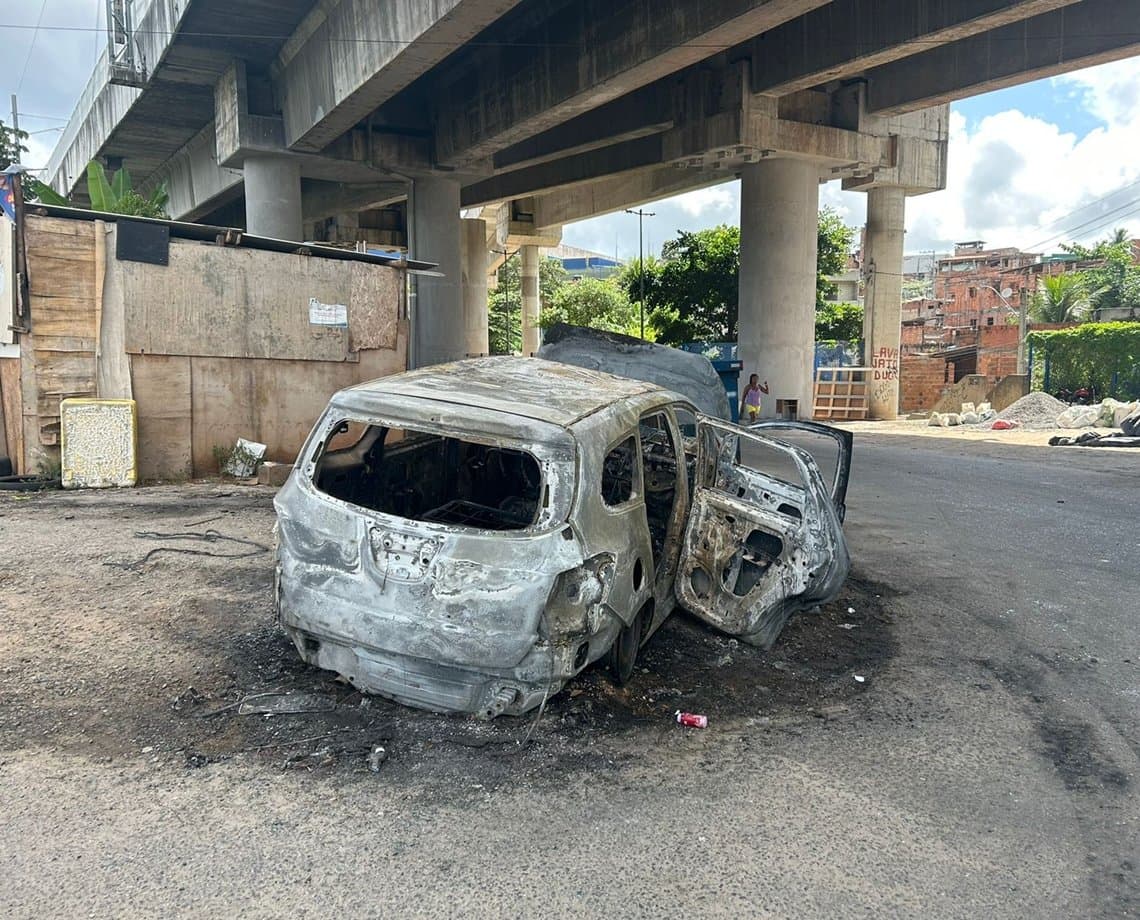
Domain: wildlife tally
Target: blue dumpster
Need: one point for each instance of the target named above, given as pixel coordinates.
(725, 363)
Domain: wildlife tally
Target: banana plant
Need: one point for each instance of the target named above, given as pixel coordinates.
(114, 196)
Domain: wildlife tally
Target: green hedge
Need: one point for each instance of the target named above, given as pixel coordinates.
(1106, 355)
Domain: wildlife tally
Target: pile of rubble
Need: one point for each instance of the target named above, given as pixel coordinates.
(1040, 411)
(981, 414)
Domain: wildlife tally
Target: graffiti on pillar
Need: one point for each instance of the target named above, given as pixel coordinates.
(885, 364)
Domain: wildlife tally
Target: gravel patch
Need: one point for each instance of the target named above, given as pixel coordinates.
(1036, 410)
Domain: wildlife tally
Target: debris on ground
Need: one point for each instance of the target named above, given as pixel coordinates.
(208, 536)
(1079, 417)
(1095, 439)
(1130, 424)
(273, 474)
(1004, 425)
(242, 461)
(376, 758)
(860, 678)
(691, 719)
(1034, 410)
(290, 703)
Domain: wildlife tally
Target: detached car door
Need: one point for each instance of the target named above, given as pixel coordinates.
(764, 537)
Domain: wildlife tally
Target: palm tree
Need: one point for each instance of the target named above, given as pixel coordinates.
(1120, 235)
(1061, 299)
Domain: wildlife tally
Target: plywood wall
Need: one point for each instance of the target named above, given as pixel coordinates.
(215, 346)
(58, 356)
(190, 406)
(223, 302)
(13, 410)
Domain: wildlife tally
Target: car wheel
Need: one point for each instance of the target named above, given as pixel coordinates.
(623, 653)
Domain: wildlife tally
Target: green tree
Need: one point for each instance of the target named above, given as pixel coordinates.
(917, 290)
(834, 242)
(11, 145)
(596, 303)
(1061, 299)
(1114, 283)
(504, 302)
(692, 292)
(842, 322)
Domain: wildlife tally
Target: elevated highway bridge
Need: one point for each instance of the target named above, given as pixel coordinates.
(463, 127)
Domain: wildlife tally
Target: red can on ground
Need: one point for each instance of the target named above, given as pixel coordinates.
(692, 720)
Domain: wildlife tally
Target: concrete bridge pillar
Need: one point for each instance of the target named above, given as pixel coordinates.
(475, 263)
(779, 206)
(530, 300)
(438, 322)
(882, 318)
(273, 197)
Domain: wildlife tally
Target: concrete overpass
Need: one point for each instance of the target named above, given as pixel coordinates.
(350, 119)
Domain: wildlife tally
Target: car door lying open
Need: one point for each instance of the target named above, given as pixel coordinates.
(764, 536)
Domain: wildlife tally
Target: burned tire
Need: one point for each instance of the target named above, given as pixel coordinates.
(27, 484)
(622, 656)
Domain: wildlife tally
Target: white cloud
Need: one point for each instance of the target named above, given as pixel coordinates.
(720, 200)
(1014, 179)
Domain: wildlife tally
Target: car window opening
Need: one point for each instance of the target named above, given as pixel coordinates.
(618, 471)
(659, 463)
(427, 477)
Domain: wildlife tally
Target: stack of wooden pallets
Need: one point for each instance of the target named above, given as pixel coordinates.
(840, 393)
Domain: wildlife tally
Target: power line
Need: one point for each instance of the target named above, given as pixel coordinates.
(1092, 224)
(43, 117)
(32, 46)
(1085, 206)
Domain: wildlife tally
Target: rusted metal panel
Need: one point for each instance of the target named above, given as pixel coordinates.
(758, 547)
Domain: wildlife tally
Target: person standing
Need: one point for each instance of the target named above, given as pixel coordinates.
(750, 401)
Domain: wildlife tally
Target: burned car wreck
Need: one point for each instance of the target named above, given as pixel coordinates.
(469, 537)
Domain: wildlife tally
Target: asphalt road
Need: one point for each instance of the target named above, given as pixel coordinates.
(988, 770)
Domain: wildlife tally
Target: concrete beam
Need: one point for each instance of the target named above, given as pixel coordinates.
(640, 114)
(620, 192)
(194, 181)
(349, 57)
(1087, 33)
(572, 170)
(747, 133)
(321, 199)
(581, 56)
(846, 37)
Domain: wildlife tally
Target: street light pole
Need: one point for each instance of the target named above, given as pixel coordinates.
(641, 215)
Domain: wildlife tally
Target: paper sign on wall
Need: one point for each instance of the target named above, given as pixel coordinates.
(327, 314)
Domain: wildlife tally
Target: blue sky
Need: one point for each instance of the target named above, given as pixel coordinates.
(1031, 166)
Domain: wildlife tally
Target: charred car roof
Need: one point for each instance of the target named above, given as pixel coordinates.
(531, 388)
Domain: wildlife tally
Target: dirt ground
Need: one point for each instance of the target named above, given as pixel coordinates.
(1021, 437)
(138, 621)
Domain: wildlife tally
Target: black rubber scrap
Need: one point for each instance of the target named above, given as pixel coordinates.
(27, 483)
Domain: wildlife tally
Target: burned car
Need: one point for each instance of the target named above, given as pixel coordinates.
(469, 537)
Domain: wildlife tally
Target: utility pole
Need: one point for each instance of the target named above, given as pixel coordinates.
(1022, 327)
(16, 123)
(641, 215)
